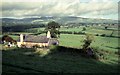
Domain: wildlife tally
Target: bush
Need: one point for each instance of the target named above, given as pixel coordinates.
(101, 53)
(87, 41)
(84, 29)
(96, 34)
(35, 46)
(66, 32)
(103, 35)
(70, 32)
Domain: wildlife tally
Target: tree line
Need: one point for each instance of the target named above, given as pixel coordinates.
(20, 27)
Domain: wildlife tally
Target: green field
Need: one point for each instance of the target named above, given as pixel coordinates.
(90, 30)
(76, 41)
(27, 60)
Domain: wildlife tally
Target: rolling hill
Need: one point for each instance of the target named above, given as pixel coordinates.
(61, 20)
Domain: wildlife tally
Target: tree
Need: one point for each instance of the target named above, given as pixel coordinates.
(53, 27)
(106, 27)
(7, 38)
(112, 33)
(87, 41)
(84, 29)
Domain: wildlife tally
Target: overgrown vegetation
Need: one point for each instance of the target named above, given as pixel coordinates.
(87, 41)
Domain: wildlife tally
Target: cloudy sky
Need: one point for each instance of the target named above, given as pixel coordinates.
(107, 9)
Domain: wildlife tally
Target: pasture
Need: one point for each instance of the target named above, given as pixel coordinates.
(90, 30)
(20, 60)
(30, 60)
(93, 30)
(76, 41)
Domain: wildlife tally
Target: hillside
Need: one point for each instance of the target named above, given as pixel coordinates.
(61, 20)
(32, 61)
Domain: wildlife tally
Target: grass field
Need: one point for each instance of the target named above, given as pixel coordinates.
(91, 30)
(76, 41)
(72, 40)
(27, 60)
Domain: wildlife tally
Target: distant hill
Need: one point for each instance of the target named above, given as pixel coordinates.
(61, 20)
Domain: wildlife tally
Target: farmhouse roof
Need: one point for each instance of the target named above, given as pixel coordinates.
(36, 39)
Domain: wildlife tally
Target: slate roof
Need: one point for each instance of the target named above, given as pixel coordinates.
(39, 39)
(36, 39)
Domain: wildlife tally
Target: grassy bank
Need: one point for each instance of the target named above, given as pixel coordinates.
(29, 60)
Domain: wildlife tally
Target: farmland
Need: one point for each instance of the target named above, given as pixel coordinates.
(72, 40)
(76, 40)
(60, 62)
(91, 30)
(60, 37)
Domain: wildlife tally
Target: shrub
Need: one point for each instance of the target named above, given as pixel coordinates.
(96, 34)
(87, 41)
(84, 29)
(103, 35)
(35, 46)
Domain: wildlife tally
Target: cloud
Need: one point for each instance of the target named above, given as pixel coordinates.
(38, 8)
(98, 8)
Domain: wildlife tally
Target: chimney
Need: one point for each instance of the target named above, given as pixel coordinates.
(21, 37)
(48, 34)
